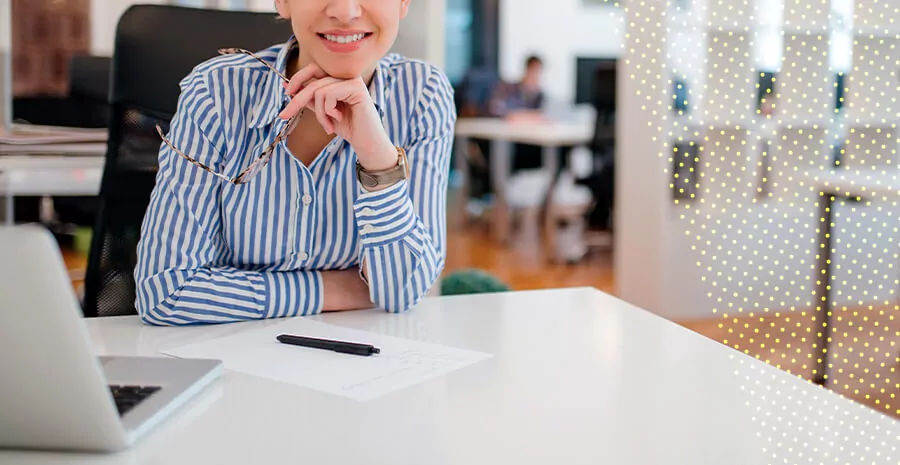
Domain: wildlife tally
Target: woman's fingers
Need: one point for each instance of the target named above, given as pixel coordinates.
(323, 97)
(331, 102)
(321, 113)
(304, 97)
(300, 78)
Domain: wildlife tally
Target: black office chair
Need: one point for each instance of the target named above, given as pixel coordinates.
(155, 47)
(603, 145)
(84, 105)
(473, 95)
(89, 88)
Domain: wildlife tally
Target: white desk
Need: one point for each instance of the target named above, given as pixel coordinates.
(577, 377)
(868, 184)
(550, 133)
(501, 133)
(64, 170)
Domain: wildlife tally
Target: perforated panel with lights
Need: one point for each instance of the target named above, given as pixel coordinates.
(779, 96)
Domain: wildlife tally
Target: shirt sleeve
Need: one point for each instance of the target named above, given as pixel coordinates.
(403, 228)
(178, 280)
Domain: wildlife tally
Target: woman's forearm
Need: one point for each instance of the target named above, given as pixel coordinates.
(344, 290)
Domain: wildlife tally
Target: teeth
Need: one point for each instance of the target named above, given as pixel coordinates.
(345, 39)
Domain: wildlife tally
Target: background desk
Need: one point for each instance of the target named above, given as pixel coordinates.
(62, 170)
(502, 134)
(577, 377)
(832, 185)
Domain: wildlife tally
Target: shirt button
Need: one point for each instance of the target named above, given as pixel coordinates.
(366, 211)
(307, 199)
(302, 256)
(368, 228)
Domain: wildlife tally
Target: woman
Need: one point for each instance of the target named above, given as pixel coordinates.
(308, 177)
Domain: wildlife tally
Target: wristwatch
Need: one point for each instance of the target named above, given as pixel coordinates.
(371, 180)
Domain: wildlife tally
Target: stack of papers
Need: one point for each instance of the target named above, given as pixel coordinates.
(25, 134)
(401, 363)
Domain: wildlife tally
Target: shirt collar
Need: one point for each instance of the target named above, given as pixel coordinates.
(380, 88)
(272, 97)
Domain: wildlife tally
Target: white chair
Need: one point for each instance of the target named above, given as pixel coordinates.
(567, 206)
(526, 193)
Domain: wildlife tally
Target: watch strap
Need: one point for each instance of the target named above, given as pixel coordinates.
(373, 179)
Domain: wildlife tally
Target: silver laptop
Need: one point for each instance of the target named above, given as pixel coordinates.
(55, 393)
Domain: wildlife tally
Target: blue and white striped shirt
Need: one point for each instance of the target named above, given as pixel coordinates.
(214, 252)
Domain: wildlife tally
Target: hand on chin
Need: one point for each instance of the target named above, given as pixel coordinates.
(344, 107)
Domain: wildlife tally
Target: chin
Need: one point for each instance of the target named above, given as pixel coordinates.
(343, 72)
(343, 69)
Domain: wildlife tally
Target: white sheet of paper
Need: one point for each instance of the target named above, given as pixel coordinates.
(401, 363)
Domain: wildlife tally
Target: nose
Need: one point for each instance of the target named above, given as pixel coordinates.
(345, 11)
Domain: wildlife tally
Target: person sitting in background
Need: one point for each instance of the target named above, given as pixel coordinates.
(309, 177)
(520, 101)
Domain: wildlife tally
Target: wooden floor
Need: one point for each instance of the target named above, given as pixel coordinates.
(76, 264)
(866, 341)
(864, 354)
(522, 264)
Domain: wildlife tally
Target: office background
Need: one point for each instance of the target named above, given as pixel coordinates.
(751, 105)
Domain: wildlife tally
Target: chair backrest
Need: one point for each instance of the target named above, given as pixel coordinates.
(155, 47)
(89, 89)
(89, 77)
(475, 91)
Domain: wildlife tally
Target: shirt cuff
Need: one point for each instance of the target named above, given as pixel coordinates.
(384, 216)
(293, 293)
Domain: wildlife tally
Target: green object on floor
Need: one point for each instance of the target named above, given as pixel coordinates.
(471, 282)
(82, 242)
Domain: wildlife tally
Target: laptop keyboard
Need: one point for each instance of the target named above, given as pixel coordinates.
(128, 396)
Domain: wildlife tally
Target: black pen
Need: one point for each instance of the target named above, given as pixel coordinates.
(337, 346)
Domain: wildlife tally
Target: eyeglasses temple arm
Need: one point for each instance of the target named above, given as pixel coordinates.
(228, 51)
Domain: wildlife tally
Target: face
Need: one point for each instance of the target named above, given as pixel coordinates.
(533, 74)
(346, 38)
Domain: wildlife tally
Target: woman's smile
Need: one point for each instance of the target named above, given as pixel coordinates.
(344, 41)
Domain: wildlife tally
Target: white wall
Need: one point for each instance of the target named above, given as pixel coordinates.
(422, 31)
(642, 248)
(558, 31)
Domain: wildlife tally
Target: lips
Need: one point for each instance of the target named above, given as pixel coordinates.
(344, 39)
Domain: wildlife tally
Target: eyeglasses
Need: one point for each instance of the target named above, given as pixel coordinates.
(263, 159)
